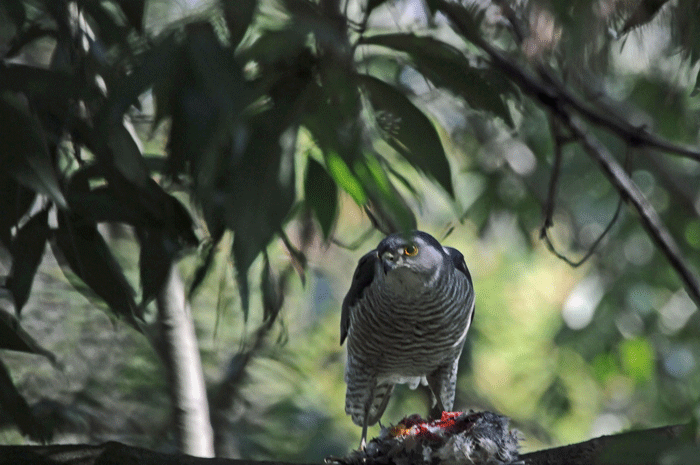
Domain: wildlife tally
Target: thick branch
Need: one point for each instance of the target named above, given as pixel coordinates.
(639, 447)
(109, 453)
(629, 190)
(550, 92)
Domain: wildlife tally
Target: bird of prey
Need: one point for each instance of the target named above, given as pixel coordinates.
(405, 319)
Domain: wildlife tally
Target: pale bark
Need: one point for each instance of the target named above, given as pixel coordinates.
(182, 361)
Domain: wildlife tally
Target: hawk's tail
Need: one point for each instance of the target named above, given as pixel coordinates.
(355, 403)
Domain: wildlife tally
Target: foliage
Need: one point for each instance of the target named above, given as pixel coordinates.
(277, 113)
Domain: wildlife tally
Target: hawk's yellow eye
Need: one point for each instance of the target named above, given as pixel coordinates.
(410, 250)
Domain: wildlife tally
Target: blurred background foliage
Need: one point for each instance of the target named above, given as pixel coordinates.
(268, 144)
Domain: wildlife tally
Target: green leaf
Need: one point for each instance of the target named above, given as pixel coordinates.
(110, 31)
(637, 357)
(687, 28)
(126, 154)
(320, 19)
(342, 175)
(386, 206)
(668, 104)
(321, 195)
(204, 266)
(111, 166)
(15, 201)
(241, 161)
(643, 13)
(119, 201)
(302, 8)
(408, 130)
(156, 69)
(275, 46)
(156, 257)
(23, 150)
(133, 10)
(16, 408)
(555, 399)
(372, 4)
(333, 111)
(16, 11)
(696, 87)
(14, 337)
(238, 15)
(207, 100)
(55, 89)
(470, 15)
(80, 248)
(447, 67)
(259, 192)
(331, 120)
(298, 259)
(164, 211)
(604, 366)
(103, 205)
(272, 297)
(27, 251)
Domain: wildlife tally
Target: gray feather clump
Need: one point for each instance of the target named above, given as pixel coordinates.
(458, 438)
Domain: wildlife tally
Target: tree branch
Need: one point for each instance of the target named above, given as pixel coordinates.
(552, 93)
(628, 189)
(559, 142)
(648, 446)
(181, 358)
(643, 446)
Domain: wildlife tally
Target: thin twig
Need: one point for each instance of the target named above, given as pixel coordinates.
(298, 258)
(592, 249)
(559, 143)
(448, 231)
(354, 245)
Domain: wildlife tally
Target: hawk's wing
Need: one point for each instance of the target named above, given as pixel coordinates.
(458, 261)
(364, 274)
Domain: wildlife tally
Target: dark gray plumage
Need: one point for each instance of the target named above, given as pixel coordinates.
(405, 319)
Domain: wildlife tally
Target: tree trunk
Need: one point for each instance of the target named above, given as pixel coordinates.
(181, 358)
